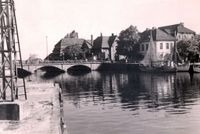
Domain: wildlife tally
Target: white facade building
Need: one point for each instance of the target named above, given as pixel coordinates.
(164, 43)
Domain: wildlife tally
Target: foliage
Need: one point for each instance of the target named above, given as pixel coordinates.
(53, 56)
(32, 56)
(33, 59)
(73, 52)
(189, 48)
(128, 40)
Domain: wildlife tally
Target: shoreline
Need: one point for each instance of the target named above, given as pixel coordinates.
(41, 113)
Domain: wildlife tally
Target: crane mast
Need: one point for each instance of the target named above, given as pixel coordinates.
(10, 53)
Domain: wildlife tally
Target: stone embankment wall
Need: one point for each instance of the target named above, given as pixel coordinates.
(118, 67)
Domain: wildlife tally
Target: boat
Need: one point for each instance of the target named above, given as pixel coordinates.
(194, 68)
(183, 67)
(151, 63)
(161, 69)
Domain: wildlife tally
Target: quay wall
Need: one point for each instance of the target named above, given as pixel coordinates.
(118, 67)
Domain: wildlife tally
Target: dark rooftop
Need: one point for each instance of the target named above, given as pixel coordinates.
(157, 34)
(180, 28)
(103, 41)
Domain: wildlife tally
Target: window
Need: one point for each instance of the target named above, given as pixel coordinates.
(167, 45)
(179, 37)
(142, 49)
(147, 46)
(171, 45)
(185, 37)
(161, 45)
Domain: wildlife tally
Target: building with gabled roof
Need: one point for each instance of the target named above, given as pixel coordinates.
(59, 51)
(105, 47)
(67, 42)
(164, 43)
(179, 31)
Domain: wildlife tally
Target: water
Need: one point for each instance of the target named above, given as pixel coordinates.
(131, 103)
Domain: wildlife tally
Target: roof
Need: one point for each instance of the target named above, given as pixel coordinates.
(88, 43)
(66, 42)
(157, 34)
(57, 47)
(103, 42)
(179, 28)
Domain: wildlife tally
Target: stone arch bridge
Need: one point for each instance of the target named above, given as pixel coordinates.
(61, 65)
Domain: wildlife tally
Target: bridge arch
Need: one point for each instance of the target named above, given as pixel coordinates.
(61, 65)
(49, 68)
(79, 69)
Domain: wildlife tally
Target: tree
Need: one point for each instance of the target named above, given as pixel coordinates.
(189, 49)
(73, 52)
(128, 40)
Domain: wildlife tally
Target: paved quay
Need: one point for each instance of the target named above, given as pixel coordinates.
(40, 114)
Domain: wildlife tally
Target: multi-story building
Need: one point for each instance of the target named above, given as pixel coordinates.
(179, 31)
(164, 43)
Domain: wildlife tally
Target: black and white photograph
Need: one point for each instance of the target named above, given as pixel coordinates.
(99, 66)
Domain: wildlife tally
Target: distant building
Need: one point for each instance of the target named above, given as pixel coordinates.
(105, 47)
(67, 42)
(164, 43)
(33, 60)
(179, 31)
(76, 45)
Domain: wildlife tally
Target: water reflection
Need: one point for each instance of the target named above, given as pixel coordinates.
(133, 91)
(144, 103)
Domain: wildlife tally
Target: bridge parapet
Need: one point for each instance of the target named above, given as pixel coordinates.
(61, 65)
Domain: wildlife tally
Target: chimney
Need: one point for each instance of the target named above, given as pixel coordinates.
(92, 40)
(182, 24)
(153, 28)
(147, 29)
(112, 34)
(101, 34)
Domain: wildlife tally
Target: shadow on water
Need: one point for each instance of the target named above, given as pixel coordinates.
(173, 93)
(50, 69)
(78, 70)
(48, 72)
(52, 75)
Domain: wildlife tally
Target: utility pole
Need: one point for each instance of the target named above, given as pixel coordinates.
(47, 53)
(9, 48)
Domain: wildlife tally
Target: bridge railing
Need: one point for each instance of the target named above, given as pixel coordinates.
(63, 62)
(75, 62)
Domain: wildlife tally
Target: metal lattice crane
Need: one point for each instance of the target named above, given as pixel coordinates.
(9, 52)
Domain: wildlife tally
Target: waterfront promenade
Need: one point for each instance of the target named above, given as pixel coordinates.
(40, 114)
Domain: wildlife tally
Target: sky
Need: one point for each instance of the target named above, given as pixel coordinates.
(42, 23)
